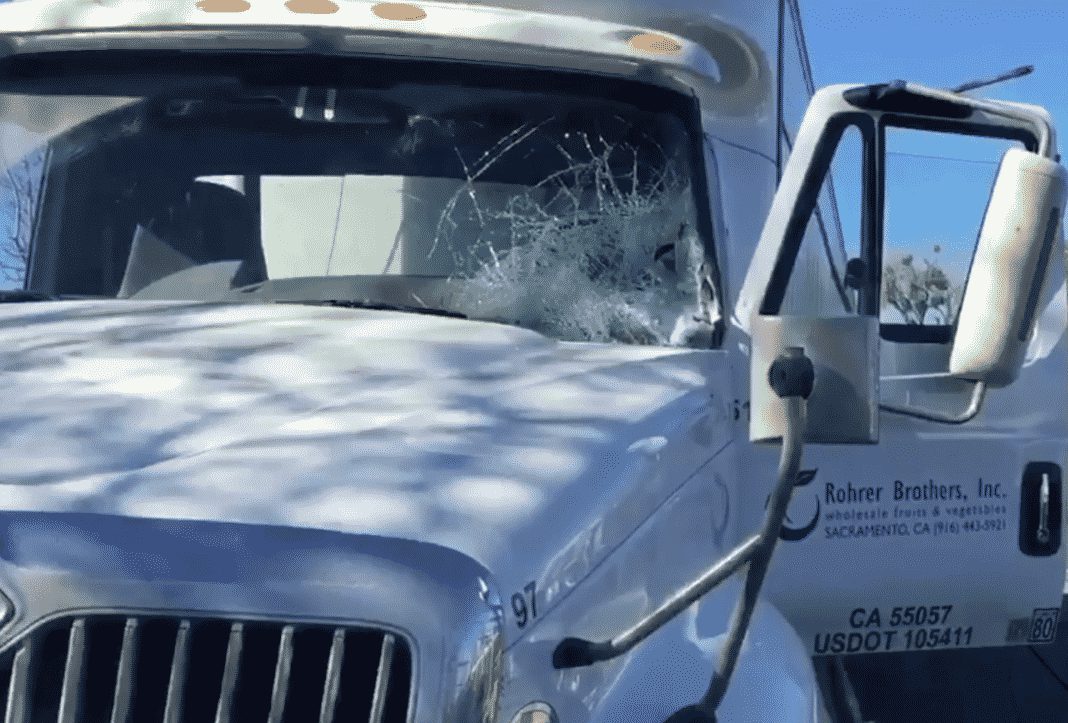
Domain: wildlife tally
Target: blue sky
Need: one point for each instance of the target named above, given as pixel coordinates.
(943, 43)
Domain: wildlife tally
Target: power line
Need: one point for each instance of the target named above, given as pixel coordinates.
(740, 147)
(802, 45)
(941, 158)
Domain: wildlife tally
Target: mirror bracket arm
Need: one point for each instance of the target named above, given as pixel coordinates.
(975, 405)
(1039, 123)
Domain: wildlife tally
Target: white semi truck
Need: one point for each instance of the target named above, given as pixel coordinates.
(432, 361)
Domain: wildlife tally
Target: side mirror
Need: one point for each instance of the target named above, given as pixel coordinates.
(844, 405)
(1018, 238)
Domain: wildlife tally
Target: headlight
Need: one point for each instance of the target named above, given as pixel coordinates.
(536, 713)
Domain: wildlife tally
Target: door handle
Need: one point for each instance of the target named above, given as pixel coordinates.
(1040, 509)
(1042, 534)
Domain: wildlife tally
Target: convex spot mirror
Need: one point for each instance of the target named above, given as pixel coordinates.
(1019, 236)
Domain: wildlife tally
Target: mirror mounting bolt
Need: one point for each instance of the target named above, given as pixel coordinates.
(792, 374)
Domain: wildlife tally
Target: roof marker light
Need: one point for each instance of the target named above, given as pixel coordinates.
(313, 7)
(224, 6)
(398, 11)
(655, 43)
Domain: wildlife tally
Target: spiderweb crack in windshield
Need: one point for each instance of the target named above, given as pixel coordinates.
(575, 256)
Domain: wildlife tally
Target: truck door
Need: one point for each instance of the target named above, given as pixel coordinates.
(949, 531)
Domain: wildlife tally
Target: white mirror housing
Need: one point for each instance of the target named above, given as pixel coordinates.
(1019, 236)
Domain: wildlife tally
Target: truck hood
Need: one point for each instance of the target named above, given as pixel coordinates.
(492, 440)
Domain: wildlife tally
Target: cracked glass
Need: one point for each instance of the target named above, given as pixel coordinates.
(571, 211)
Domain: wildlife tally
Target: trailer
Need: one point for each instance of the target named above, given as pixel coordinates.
(486, 361)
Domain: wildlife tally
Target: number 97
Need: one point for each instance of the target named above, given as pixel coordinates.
(523, 613)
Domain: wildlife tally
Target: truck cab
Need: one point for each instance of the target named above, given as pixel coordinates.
(410, 362)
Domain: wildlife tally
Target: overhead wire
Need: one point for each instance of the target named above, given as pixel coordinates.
(933, 157)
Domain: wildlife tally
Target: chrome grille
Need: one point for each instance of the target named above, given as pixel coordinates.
(96, 669)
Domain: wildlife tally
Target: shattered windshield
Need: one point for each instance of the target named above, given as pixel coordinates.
(539, 201)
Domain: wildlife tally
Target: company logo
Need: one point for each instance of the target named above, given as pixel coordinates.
(790, 532)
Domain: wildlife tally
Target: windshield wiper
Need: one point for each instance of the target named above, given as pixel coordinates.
(377, 306)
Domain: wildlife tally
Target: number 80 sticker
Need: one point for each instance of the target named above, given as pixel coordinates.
(1043, 625)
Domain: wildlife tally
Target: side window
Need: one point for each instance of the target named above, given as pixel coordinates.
(817, 284)
(937, 187)
(20, 189)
